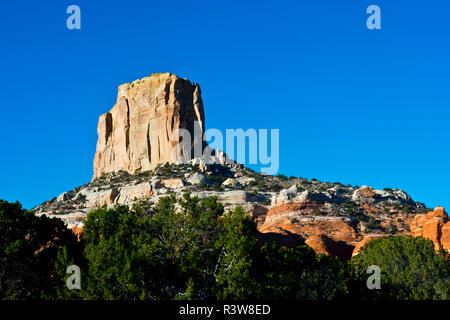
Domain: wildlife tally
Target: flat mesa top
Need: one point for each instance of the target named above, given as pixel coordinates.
(155, 80)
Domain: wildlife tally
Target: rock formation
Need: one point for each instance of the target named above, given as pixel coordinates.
(366, 239)
(321, 243)
(136, 134)
(435, 226)
(135, 161)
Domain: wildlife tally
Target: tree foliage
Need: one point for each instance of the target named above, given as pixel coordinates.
(410, 267)
(29, 247)
(187, 248)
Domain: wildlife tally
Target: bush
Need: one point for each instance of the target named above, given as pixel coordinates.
(192, 249)
(29, 248)
(410, 267)
(188, 248)
(373, 224)
(275, 187)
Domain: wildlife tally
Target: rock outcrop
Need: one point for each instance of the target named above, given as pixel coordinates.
(435, 226)
(321, 243)
(366, 239)
(136, 134)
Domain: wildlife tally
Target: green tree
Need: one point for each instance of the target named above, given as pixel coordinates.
(236, 268)
(29, 247)
(188, 238)
(410, 268)
(149, 253)
(188, 248)
(122, 255)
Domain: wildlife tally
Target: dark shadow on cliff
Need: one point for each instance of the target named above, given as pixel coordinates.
(284, 239)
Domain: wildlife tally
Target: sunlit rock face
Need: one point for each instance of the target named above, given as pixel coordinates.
(136, 134)
(435, 226)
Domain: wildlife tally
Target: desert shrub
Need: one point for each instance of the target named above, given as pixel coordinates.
(275, 187)
(392, 229)
(373, 224)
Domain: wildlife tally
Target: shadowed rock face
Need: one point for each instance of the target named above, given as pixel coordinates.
(321, 243)
(136, 134)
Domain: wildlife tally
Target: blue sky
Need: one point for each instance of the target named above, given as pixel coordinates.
(358, 106)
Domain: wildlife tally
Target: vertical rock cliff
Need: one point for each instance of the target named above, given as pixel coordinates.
(136, 134)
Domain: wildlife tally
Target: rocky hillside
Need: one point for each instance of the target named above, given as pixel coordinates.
(134, 162)
(331, 217)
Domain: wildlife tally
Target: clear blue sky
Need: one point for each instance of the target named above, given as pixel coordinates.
(352, 105)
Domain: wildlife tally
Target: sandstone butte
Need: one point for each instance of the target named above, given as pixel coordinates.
(136, 134)
(135, 137)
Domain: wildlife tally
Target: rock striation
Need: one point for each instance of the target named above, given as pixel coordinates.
(136, 134)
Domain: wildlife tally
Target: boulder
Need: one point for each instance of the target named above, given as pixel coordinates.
(245, 180)
(174, 183)
(130, 193)
(197, 178)
(290, 196)
(364, 192)
(231, 183)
